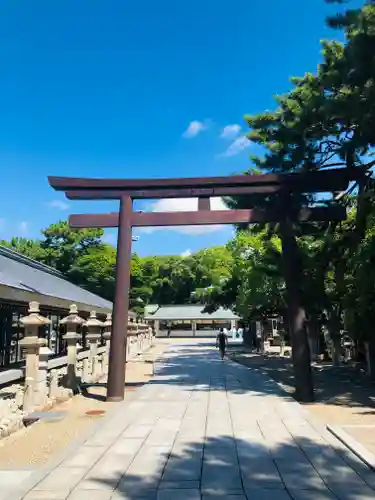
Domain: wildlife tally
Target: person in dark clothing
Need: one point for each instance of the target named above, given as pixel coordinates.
(221, 342)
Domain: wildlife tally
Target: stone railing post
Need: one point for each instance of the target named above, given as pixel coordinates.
(72, 321)
(107, 337)
(150, 334)
(143, 335)
(54, 385)
(131, 337)
(35, 390)
(93, 336)
(138, 337)
(85, 371)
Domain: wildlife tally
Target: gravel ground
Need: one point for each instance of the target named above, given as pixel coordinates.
(35, 445)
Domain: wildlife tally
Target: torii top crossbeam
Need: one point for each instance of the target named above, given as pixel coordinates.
(315, 181)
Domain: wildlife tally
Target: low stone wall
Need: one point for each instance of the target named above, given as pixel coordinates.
(47, 382)
(211, 334)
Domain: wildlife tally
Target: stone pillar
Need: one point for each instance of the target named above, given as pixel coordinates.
(132, 337)
(194, 328)
(35, 390)
(86, 377)
(42, 383)
(140, 335)
(107, 337)
(72, 321)
(150, 336)
(54, 385)
(156, 327)
(93, 336)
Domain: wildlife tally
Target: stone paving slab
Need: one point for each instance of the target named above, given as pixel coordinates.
(202, 429)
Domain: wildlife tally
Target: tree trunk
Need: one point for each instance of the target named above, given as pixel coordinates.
(313, 338)
(332, 337)
(262, 331)
(300, 346)
(370, 359)
(282, 343)
(336, 350)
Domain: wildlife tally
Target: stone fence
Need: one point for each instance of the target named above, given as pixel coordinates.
(44, 382)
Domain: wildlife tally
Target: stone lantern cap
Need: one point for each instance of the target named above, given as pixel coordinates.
(108, 320)
(73, 318)
(93, 321)
(132, 327)
(107, 325)
(34, 317)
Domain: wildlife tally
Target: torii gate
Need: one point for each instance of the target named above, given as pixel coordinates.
(203, 188)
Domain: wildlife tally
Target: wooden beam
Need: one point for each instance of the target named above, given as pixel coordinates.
(116, 194)
(79, 221)
(239, 216)
(205, 217)
(323, 180)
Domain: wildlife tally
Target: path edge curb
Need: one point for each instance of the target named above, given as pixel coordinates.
(353, 445)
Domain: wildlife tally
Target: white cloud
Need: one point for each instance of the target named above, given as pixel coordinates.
(186, 253)
(61, 205)
(230, 131)
(184, 205)
(237, 146)
(24, 228)
(195, 127)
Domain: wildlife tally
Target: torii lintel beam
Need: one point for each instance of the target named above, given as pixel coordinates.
(205, 217)
(315, 181)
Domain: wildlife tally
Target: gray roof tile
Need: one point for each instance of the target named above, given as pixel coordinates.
(17, 271)
(187, 312)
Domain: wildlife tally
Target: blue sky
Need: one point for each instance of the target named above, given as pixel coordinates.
(120, 88)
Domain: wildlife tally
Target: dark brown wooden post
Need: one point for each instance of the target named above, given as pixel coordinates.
(300, 345)
(117, 352)
(204, 203)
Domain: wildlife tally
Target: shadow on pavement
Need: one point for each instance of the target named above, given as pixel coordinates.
(345, 385)
(228, 468)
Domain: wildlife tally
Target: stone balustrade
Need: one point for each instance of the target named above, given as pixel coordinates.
(50, 381)
(139, 338)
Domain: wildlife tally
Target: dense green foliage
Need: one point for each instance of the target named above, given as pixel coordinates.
(83, 257)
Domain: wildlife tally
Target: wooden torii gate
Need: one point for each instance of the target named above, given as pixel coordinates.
(203, 188)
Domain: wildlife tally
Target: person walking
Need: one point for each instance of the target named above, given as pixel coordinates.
(221, 342)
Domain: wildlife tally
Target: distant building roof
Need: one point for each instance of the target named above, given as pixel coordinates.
(186, 312)
(150, 309)
(25, 279)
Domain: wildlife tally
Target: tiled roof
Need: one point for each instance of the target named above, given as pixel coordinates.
(187, 312)
(27, 275)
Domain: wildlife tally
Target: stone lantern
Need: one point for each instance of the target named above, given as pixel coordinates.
(72, 321)
(94, 326)
(131, 337)
(107, 337)
(37, 353)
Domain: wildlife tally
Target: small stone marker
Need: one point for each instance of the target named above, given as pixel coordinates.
(48, 416)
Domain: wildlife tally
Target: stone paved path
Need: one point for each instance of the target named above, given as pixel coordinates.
(207, 429)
